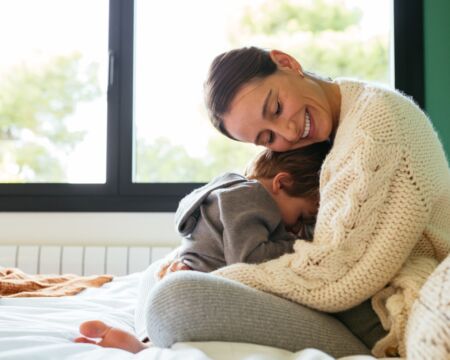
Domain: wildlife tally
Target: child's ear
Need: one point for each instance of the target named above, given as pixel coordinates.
(281, 181)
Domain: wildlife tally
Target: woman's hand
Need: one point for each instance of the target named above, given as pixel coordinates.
(171, 266)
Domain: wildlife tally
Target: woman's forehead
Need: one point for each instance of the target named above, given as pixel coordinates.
(249, 92)
(241, 121)
(245, 115)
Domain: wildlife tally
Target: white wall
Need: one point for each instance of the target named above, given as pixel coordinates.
(83, 228)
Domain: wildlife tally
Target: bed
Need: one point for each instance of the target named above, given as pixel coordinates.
(43, 328)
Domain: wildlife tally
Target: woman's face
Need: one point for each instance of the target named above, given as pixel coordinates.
(283, 111)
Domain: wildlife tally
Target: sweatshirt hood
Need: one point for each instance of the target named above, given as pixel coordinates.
(188, 211)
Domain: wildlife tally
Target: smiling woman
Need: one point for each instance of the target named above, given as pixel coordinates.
(276, 111)
(382, 224)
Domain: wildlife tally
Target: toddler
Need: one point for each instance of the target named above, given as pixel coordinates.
(254, 218)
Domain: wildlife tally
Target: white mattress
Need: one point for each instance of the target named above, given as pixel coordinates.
(43, 328)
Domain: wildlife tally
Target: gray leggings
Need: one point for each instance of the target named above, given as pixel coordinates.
(193, 306)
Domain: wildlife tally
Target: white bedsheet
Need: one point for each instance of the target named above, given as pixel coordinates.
(43, 328)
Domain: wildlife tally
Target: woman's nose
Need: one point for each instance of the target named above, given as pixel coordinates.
(288, 130)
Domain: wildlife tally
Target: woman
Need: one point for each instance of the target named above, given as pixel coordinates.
(381, 229)
(382, 225)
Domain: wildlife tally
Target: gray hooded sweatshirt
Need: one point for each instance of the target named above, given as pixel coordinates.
(230, 220)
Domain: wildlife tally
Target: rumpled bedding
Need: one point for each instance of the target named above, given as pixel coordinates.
(44, 327)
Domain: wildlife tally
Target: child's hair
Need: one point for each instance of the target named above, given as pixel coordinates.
(302, 164)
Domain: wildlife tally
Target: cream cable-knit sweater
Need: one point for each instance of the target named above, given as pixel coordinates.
(385, 207)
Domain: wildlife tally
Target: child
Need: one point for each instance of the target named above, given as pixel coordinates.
(251, 219)
(239, 219)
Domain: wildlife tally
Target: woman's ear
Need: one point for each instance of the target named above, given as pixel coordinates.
(285, 61)
(281, 181)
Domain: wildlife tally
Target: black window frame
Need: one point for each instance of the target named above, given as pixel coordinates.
(119, 193)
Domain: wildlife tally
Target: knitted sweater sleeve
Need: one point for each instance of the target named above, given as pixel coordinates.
(371, 215)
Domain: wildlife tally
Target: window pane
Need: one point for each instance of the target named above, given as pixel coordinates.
(52, 91)
(176, 40)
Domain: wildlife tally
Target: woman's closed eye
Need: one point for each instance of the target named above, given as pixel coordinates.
(278, 108)
(265, 138)
(270, 138)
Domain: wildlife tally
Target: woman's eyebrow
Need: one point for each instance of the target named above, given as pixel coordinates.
(266, 103)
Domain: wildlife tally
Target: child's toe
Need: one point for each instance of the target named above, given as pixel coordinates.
(94, 329)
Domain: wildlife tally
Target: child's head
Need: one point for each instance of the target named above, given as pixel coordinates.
(292, 178)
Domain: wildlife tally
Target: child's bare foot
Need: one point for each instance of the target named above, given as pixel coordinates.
(109, 337)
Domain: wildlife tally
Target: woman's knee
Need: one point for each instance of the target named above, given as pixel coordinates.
(172, 307)
(192, 306)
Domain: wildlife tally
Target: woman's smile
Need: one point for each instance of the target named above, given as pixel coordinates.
(307, 125)
(308, 130)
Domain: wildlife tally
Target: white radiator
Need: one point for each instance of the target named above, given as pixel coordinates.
(85, 243)
(81, 260)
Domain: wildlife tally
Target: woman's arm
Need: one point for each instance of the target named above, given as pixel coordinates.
(372, 213)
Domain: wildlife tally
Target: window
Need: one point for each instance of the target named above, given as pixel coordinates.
(53, 91)
(101, 102)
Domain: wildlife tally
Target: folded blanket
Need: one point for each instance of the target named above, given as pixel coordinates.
(15, 283)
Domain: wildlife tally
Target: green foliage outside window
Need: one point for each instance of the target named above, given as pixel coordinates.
(323, 35)
(35, 104)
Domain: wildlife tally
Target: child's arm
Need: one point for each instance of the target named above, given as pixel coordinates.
(171, 266)
(252, 227)
(304, 231)
(266, 250)
(171, 263)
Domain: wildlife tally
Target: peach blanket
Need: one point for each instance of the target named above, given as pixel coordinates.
(15, 283)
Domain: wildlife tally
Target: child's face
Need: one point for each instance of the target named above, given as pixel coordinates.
(296, 209)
